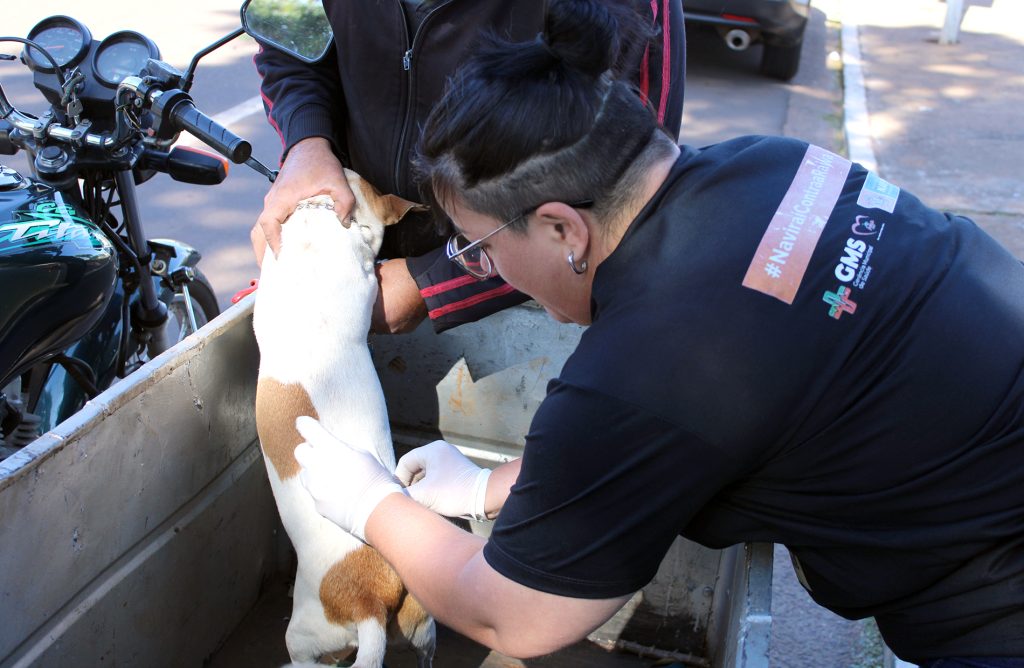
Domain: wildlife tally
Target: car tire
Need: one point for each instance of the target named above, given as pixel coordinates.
(781, 61)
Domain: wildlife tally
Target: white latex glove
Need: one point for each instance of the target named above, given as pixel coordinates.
(346, 484)
(441, 478)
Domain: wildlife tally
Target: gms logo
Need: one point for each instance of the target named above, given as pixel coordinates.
(852, 268)
(840, 302)
(847, 268)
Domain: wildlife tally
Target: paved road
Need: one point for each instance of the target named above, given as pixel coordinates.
(725, 97)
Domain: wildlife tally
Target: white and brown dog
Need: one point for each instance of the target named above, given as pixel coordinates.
(312, 317)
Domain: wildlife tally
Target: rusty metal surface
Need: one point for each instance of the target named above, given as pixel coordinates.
(477, 385)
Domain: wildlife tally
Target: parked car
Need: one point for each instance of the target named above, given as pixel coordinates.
(778, 24)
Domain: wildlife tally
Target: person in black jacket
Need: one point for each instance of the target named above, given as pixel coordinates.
(363, 105)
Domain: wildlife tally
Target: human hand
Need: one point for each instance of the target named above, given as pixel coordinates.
(399, 307)
(311, 168)
(346, 484)
(441, 478)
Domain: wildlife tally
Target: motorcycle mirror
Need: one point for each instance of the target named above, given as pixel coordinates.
(298, 27)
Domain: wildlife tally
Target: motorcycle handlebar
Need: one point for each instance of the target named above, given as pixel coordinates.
(185, 116)
(174, 107)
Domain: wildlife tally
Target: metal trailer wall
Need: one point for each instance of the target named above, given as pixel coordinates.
(140, 531)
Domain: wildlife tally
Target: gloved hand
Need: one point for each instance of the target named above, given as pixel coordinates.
(441, 478)
(346, 484)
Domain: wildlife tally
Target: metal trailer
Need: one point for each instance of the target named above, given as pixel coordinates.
(142, 531)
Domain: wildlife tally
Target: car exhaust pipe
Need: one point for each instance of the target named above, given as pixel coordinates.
(737, 39)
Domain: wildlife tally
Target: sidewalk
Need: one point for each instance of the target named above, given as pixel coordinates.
(946, 122)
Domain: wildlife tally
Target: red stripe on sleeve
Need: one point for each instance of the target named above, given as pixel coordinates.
(645, 64)
(471, 301)
(445, 286)
(666, 60)
(267, 101)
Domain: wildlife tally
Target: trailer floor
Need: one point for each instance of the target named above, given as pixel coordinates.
(258, 642)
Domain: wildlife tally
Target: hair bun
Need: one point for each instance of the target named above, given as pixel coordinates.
(584, 34)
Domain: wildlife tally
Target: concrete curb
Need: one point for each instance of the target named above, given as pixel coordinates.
(856, 120)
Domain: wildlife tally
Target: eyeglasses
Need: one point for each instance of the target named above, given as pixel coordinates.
(472, 257)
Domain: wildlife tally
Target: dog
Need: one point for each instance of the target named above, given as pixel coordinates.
(311, 319)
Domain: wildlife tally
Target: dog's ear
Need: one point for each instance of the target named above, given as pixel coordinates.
(395, 208)
(388, 209)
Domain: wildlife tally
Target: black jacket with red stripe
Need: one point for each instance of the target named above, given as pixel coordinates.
(372, 95)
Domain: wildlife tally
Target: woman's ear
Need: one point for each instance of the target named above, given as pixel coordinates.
(565, 225)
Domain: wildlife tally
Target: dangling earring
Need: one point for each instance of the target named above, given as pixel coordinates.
(572, 264)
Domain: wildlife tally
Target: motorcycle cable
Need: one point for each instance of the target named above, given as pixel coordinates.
(122, 345)
(93, 193)
(100, 201)
(68, 86)
(46, 54)
(136, 265)
(80, 372)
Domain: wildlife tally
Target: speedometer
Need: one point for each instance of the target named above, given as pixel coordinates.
(62, 37)
(121, 55)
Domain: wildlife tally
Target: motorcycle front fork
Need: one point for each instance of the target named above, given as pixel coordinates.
(149, 314)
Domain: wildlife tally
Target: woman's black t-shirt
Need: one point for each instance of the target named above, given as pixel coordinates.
(787, 348)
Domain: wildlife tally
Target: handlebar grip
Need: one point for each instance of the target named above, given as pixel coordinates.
(186, 117)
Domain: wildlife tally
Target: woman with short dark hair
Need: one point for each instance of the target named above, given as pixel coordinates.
(782, 347)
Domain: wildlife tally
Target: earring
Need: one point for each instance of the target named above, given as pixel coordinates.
(581, 269)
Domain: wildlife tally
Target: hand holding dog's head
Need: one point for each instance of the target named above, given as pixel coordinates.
(326, 262)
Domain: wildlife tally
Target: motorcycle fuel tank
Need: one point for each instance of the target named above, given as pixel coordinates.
(57, 273)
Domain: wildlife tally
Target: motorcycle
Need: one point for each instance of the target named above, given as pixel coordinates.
(86, 298)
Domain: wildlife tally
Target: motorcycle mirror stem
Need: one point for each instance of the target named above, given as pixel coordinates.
(186, 80)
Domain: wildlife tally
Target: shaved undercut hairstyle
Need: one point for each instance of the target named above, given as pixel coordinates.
(549, 120)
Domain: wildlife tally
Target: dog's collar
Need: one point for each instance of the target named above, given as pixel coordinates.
(324, 202)
(318, 202)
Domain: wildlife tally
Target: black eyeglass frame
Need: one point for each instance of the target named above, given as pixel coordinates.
(458, 255)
